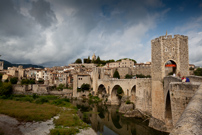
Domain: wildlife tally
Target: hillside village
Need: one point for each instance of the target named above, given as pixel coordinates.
(62, 77)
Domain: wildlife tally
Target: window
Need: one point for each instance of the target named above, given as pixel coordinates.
(166, 49)
(173, 49)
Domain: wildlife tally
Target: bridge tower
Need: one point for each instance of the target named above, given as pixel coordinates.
(166, 52)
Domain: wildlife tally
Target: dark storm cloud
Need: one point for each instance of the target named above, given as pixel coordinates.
(57, 32)
(42, 13)
(12, 23)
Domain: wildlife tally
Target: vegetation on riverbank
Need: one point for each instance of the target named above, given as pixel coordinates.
(42, 108)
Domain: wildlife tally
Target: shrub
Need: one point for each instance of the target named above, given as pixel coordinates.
(35, 96)
(128, 102)
(85, 87)
(41, 100)
(128, 76)
(14, 80)
(27, 98)
(60, 87)
(6, 89)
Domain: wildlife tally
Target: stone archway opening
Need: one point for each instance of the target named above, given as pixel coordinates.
(101, 91)
(116, 95)
(168, 111)
(133, 94)
(170, 68)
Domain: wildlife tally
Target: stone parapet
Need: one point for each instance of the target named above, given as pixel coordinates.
(190, 123)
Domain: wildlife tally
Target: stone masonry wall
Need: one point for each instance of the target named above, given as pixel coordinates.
(180, 94)
(145, 70)
(143, 95)
(123, 72)
(190, 123)
(193, 78)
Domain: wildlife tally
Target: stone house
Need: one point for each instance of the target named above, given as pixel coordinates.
(123, 63)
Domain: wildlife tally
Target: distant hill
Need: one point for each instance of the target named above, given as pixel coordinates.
(8, 64)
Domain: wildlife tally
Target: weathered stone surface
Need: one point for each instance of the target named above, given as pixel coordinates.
(157, 124)
(126, 107)
(135, 113)
(190, 123)
(180, 95)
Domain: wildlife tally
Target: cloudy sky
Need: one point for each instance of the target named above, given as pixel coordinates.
(57, 32)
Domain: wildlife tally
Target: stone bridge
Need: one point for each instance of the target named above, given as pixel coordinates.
(110, 87)
(138, 90)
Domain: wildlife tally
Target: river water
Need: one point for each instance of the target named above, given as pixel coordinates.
(106, 120)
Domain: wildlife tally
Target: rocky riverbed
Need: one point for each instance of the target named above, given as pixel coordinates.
(11, 126)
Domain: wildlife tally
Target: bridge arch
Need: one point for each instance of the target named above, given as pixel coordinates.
(102, 91)
(116, 94)
(168, 110)
(133, 94)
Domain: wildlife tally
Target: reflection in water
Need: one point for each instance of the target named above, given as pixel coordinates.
(107, 121)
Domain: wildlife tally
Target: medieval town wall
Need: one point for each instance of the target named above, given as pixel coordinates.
(39, 89)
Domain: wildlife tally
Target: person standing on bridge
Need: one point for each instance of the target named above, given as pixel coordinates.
(183, 79)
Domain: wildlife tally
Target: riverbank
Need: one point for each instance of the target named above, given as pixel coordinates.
(42, 115)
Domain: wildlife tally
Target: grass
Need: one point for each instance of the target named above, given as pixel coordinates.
(68, 123)
(25, 111)
(41, 108)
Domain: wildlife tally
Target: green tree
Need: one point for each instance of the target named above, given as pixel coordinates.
(78, 61)
(88, 60)
(116, 75)
(98, 60)
(6, 89)
(14, 80)
(85, 87)
(198, 72)
(85, 60)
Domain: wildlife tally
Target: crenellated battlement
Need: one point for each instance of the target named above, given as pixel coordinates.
(169, 37)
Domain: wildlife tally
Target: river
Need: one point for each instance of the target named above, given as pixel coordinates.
(106, 120)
